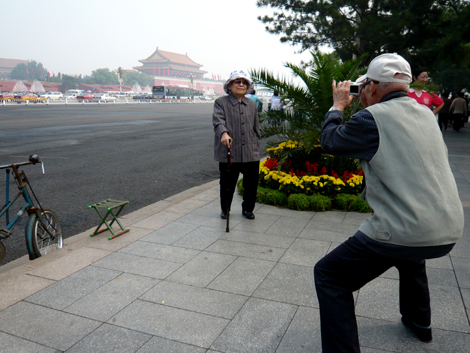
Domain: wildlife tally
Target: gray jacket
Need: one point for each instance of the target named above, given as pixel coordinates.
(240, 119)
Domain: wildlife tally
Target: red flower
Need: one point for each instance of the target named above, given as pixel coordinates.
(271, 163)
(312, 168)
(323, 170)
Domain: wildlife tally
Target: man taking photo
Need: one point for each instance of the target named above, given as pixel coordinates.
(417, 212)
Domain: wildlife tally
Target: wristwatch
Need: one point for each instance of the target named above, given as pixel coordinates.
(334, 108)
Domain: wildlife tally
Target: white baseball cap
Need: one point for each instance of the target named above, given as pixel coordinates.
(238, 74)
(384, 67)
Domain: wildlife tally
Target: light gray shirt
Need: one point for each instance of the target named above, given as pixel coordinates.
(240, 120)
(459, 106)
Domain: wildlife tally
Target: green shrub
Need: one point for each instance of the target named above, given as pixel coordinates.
(351, 203)
(344, 201)
(360, 205)
(271, 197)
(298, 202)
(319, 203)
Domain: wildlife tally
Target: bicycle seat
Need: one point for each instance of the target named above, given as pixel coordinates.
(34, 158)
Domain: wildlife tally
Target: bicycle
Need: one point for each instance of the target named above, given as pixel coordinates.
(42, 230)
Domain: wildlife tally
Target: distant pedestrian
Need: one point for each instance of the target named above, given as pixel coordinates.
(444, 112)
(259, 102)
(276, 102)
(458, 109)
(236, 125)
(417, 212)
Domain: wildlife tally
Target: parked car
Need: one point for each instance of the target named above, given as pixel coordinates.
(70, 95)
(104, 97)
(7, 96)
(52, 95)
(28, 96)
(87, 97)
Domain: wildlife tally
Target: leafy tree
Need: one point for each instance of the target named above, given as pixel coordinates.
(104, 77)
(308, 102)
(30, 71)
(427, 33)
(132, 77)
(69, 82)
(447, 53)
(355, 27)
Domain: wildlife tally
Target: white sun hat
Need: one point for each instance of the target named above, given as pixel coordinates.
(384, 68)
(238, 74)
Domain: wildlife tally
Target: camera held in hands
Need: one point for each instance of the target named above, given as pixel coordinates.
(354, 89)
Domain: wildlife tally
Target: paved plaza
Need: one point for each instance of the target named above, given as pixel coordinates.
(177, 282)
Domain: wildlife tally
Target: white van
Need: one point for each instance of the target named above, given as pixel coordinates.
(52, 95)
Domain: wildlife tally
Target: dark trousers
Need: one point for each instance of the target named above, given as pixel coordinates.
(443, 120)
(348, 268)
(228, 183)
(458, 121)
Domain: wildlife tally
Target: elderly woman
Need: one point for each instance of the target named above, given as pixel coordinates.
(423, 97)
(236, 125)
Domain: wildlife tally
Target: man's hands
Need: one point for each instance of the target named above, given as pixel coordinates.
(341, 97)
(226, 139)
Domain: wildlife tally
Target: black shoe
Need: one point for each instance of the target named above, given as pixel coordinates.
(248, 215)
(223, 215)
(424, 334)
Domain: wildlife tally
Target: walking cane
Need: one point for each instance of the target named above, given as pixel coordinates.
(227, 206)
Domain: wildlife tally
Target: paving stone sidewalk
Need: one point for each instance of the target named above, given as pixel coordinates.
(177, 282)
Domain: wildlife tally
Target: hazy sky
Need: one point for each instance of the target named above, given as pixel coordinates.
(77, 37)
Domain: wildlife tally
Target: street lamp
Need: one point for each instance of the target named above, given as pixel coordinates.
(120, 73)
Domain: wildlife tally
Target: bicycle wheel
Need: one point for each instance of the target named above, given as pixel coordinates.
(42, 242)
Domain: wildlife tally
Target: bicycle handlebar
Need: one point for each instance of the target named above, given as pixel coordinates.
(33, 159)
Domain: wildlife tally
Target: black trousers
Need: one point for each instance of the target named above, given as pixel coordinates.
(443, 120)
(346, 269)
(228, 183)
(458, 121)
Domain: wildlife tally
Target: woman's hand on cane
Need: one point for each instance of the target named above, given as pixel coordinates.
(226, 139)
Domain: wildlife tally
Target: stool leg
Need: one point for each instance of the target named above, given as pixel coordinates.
(103, 221)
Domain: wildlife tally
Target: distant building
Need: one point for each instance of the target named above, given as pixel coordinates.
(167, 64)
(6, 65)
(178, 70)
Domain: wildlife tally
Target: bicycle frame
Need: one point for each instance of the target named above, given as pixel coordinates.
(22, 180)
(42, 231)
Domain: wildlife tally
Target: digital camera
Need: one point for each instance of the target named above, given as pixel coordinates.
(355, 89)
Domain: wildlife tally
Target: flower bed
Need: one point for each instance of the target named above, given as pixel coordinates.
(310, 173)
(307, 180)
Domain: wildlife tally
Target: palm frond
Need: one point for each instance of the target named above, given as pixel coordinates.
(309, 101)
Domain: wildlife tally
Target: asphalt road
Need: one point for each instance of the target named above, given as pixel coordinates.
(140, 153)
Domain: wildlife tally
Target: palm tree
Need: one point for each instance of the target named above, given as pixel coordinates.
(307, 102)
